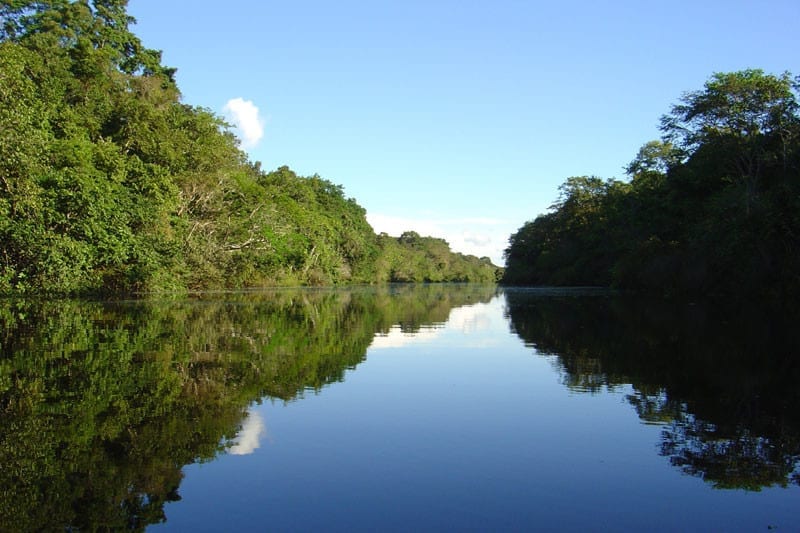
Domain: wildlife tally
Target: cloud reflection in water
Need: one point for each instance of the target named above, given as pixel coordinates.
(249, 439)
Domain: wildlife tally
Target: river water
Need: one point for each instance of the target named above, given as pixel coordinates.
(401, 408)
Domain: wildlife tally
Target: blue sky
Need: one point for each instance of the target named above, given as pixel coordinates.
(457, 119)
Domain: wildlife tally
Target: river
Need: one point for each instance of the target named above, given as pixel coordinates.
(399, 408)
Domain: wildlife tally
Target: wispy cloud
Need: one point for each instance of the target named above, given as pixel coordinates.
(244, 116)
(477, 239)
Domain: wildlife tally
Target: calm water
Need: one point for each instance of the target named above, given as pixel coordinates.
(402, 408)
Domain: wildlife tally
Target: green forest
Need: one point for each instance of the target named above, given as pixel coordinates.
(711, 208)
(110, 183)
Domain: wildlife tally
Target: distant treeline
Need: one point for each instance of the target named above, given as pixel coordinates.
(109, 183)
(712, 208)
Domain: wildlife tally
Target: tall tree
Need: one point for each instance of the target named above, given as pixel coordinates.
(746, 118)
(713, 207)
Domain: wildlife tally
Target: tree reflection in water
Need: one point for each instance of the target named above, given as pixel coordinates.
(722, 381)
(102, 404)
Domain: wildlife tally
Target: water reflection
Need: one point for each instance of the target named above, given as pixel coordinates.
(397, 338)
(102, 404)
(249, 438)
(721, 381)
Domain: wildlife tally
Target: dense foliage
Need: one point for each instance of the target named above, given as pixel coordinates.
(713, 207)
(108, 182)
(413, 258)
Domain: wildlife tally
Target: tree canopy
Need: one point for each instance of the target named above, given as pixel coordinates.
(110, 183)
(712, 207)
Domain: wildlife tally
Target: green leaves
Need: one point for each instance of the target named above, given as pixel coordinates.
(744, 104)
(109, 183)
(709, 209)
(414, 258)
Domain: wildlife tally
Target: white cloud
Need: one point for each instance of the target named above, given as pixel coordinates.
(249, 439)
(477, 239)
(249, 126)
(479, 236)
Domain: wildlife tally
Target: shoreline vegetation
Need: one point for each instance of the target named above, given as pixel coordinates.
(110, 184)
(711, 209)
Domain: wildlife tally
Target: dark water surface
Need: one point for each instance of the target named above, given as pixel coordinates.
(404, 408)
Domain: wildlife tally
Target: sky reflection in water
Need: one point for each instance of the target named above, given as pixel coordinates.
(467, 425)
